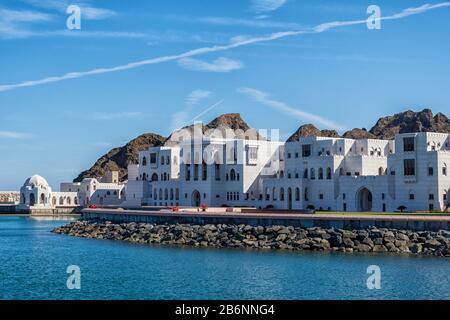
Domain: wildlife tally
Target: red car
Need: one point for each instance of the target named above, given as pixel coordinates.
(92, 206)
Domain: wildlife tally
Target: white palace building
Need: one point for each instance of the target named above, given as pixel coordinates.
(409, 173)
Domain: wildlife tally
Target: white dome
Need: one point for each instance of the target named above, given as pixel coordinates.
(36, 181)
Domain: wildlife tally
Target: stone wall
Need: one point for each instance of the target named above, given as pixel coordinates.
(307, 221)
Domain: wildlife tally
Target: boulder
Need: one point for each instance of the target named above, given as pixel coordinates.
(379, 248)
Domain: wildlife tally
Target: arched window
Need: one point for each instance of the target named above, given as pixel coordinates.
(165, 176)
(166, 194)
(144, 177)
(188, 172)
(444, 169)
(320, 174)
(177, 194)
(282, 194)
(305, 174)
(108, 193)
(328, 173)
(297, 194)
(380, 171)
(68, 201)
(171, 194)
(274, 194)
(281, 174)
(232, 175)
(195, 171)
(75, 201)
(160, 194)
(42, 198)
(61, 201)
(217, 163)
(227, 177)
(54, 201)
(155, 194)
(32, 200)
(217, 171)
(238, 177)
(204, 171)
(267, 194)
(313, 174)
(115, 192)
(144, 161)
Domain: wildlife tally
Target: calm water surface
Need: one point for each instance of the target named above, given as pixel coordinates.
(33, 264)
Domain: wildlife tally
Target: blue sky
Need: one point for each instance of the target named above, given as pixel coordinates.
(274, 61)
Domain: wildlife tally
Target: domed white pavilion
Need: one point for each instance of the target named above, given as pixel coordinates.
(35, 193)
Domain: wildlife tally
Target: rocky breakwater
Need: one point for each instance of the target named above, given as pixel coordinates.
(274, 237)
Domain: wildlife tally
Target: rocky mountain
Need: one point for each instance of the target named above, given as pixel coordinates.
(309, 130)
(410, 121)
(358, 134)
(386, 127)
(120, 158)
(231, 121)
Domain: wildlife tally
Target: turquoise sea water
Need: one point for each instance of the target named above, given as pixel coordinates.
(33, 264)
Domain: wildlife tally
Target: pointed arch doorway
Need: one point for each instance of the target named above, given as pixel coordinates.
(365, 200)
(195, 199)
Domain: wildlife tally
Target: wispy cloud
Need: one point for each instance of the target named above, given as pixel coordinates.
(115, 115)
(196, 96)
(16, 24)
(221, 64)
(265, 99)
(23, 16)
(181, 118)
(14, 135)
(260, 6)
(12, 21)
(88, 11)
(218, 48)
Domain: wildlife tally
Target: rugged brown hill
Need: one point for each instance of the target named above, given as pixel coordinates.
(120, 158)
(358, 134)
(410, 121)
(309, 130)
(386, 127)
(231, 121)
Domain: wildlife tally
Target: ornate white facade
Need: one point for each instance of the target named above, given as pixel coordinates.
(409, 173)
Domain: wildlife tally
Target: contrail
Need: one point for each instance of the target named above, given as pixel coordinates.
(236, 44)
(264, 98)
